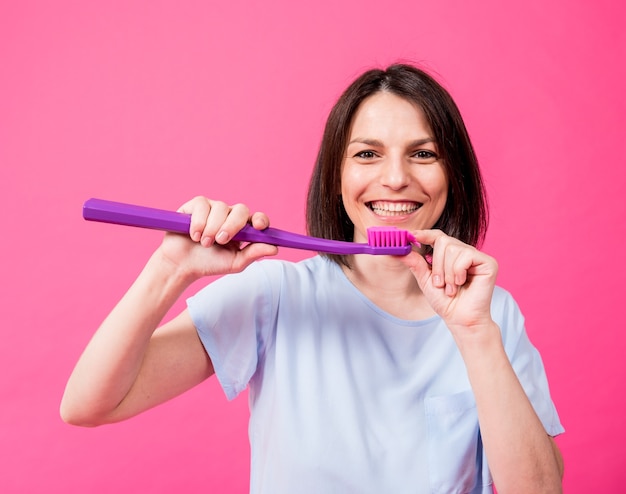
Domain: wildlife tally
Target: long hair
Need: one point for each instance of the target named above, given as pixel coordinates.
(465, 214)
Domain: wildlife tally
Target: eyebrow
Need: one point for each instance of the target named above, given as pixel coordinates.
(377, 143)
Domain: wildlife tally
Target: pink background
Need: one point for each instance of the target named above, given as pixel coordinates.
(155, 102)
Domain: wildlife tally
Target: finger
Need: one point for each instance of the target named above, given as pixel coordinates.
(218, 213)
(438, 240)
(236, 218)
(428, 237)
(450, 263)
(199, 208)
(462, 264)
(253, 252)
(260, 221)
(418, 266)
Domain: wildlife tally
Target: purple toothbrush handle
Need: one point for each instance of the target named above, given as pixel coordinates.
(120, 213)
(171, 221)
(140, 216)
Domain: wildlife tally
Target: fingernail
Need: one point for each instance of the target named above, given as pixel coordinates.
(437, 280)
(222, 237)
(196, 236)
(206, 241)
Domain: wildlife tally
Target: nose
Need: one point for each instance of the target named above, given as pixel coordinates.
(395, 173)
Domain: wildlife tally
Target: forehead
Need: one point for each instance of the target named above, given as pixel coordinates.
(387, 113)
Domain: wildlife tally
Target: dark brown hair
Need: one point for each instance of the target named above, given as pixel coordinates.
(465, 214)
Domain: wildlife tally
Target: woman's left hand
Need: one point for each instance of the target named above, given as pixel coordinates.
(459, 284)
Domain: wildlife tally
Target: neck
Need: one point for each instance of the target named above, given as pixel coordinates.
(390, 285)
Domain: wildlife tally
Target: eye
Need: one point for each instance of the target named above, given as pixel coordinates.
(425, 156)
(366, 155)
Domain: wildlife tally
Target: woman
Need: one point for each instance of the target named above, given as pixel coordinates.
(366, 373)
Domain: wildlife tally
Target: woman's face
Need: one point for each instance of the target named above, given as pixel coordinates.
(391, 173)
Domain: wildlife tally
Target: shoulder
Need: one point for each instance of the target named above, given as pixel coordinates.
(502, 295)
(507, 314)
(313, 268)
(265, 277)
(503, 303)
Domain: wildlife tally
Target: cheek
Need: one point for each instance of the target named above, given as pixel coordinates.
(435, 183)
(351, 177)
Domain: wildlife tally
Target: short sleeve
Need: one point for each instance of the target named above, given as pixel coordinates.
(527, 364)
(233, 317)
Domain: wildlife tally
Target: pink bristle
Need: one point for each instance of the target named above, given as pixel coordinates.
(388, 236)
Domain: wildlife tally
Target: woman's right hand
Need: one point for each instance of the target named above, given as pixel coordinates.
(209, 249)
(129, 366)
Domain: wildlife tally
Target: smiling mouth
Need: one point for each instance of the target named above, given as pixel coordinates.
(383, 208)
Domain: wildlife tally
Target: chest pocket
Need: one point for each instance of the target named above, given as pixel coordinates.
(456, 461)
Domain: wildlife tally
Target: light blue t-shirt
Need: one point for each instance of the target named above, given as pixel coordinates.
(344, 397)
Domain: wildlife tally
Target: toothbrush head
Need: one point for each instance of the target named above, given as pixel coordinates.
(389, 236)
(389, 240)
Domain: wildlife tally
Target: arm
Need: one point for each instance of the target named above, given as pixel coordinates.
(130, 365)
(459, 286)
(522, 457)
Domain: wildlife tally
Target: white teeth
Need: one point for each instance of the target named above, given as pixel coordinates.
(389, 208)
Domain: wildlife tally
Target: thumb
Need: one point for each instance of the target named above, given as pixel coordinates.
(418, 266)
(255, 251)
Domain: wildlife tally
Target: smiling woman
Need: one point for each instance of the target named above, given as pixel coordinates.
(392, 174)
(367, 374)
(439, 137)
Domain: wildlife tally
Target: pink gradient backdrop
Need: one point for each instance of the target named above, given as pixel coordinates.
(154, 102)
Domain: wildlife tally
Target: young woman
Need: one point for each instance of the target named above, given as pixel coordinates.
(365, 373)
